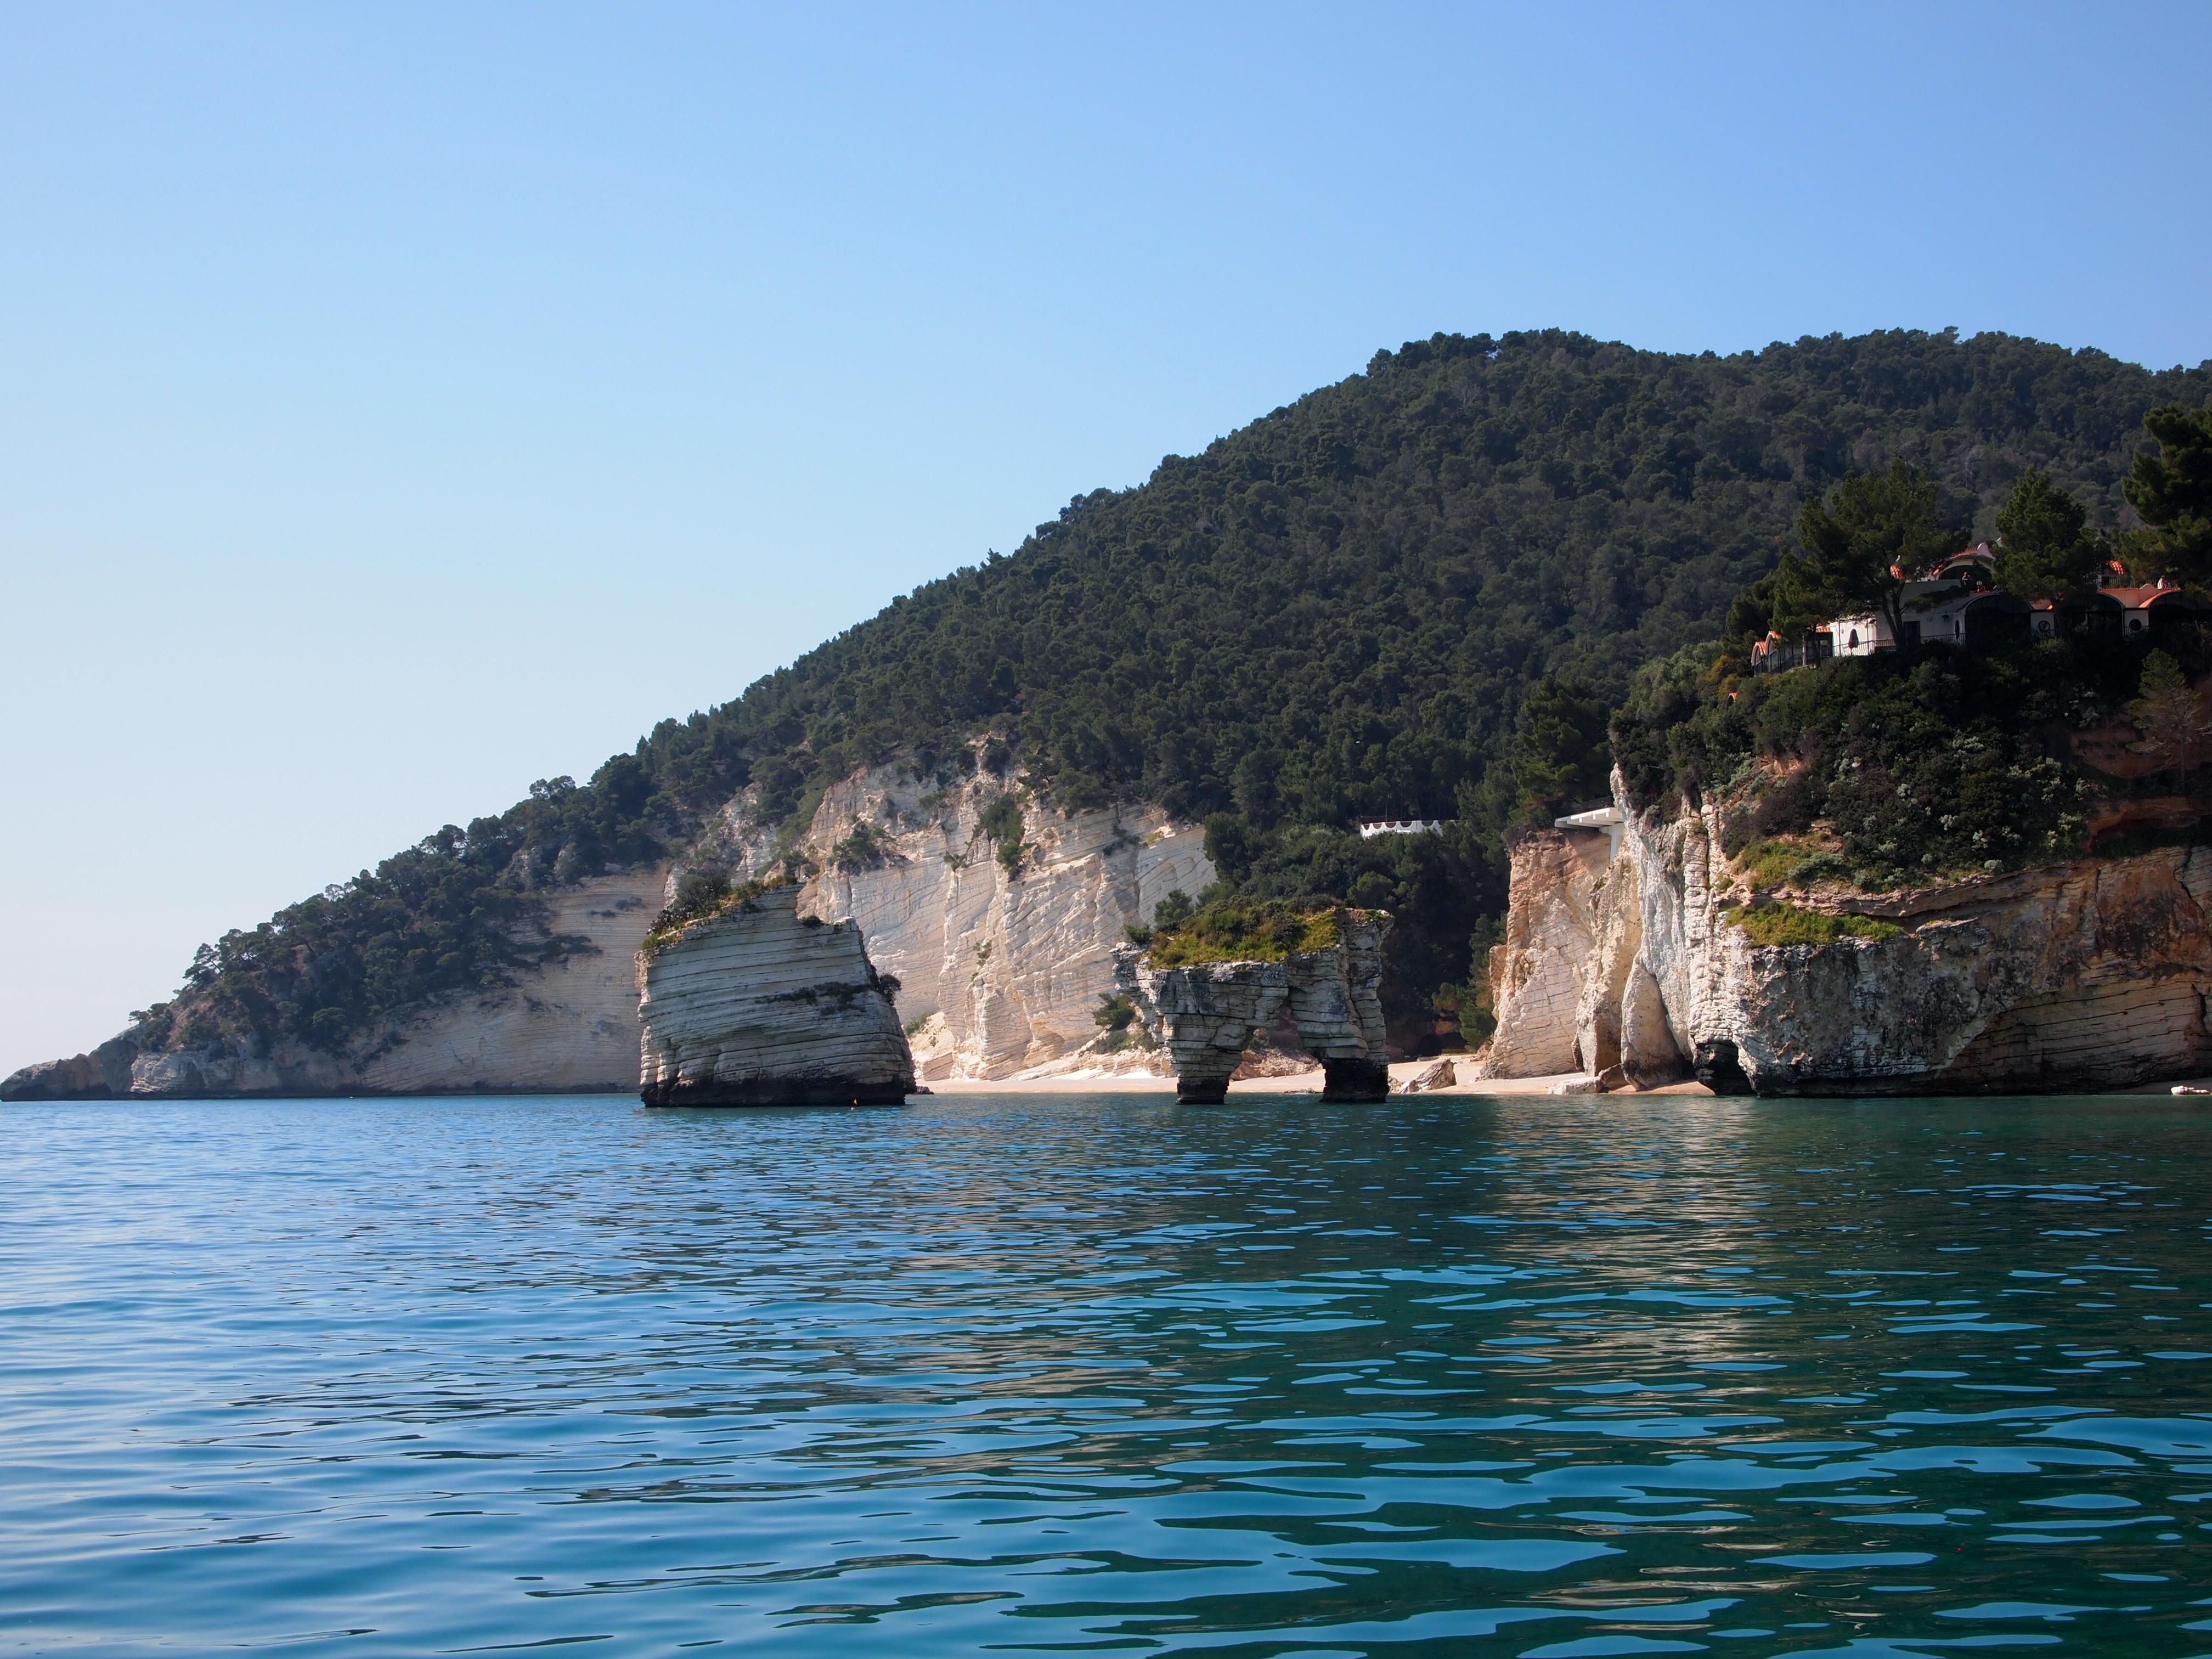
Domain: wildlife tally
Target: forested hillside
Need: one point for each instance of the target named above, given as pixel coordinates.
(1339, 610)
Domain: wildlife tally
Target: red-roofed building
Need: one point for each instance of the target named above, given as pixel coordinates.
(1960, 605)
(2141, 611)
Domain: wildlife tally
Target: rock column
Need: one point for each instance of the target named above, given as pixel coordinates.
(1335, 999)
(763, 1007)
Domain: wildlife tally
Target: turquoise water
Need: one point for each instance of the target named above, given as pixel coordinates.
(1070, 1375)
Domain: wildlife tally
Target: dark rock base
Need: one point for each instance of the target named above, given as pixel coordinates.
(48, 1087)
(780, 1091)
(1355, 1079)
(1720, 1068)
(1935, 1085)
(1201, 1092)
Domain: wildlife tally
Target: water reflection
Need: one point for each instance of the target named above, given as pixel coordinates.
(1535, 1378)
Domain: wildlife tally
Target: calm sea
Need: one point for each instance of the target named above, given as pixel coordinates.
(1070, 1375)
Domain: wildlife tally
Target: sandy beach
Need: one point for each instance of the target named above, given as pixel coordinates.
(1310, 1082)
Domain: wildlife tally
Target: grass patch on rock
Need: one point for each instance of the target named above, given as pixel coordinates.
(1786, 924)
(1772, 863)
(1252, 930)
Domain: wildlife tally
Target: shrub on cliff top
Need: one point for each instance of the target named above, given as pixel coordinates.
(1247, 930)
(1923, 764)
(706, 892)
(1773, 863)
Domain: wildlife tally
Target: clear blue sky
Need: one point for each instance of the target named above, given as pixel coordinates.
(398, 403)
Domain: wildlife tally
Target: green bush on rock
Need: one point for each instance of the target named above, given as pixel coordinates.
(1261, 930)
(1785, 924)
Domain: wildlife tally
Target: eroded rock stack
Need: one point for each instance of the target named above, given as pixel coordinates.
(1207, 1013)
(759, 1006)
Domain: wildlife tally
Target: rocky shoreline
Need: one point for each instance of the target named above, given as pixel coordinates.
(1005, 957)
(1636, 969)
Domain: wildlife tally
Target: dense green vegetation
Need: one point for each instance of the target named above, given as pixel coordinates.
(2171, 487)
(1928, 762)
(1338, 611)
(1786, 924)
(1923, 764)
(458, 912)
(2047, 551)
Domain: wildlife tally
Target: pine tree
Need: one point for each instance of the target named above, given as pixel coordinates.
(2169, 716)
(2172, 490)
(2046, 550)
(1877, 531)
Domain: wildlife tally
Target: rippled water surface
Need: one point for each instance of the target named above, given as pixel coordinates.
(1013, 1374)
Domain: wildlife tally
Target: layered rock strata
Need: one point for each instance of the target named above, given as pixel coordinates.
(1206, 1014)
(570, 1027)
(1536, 973)
(1336, 1003)
(762, 1006)
(2085, 975)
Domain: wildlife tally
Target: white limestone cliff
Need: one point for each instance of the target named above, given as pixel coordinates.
(2082, 975)
(1536, 973)
(999, 971)
(1004, 969)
